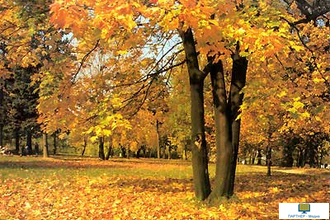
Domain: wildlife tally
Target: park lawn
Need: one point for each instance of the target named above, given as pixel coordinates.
(79, 188)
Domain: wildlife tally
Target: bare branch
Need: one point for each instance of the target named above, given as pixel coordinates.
(83, 61)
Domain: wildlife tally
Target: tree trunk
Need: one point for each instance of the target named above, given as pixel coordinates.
(2, 112)
(269, 160)
(226, 123)
(199, 151)
(288, 150)
(84, 147)
(185, 152)
(301, 159)
(36, 148)
(109, 153)
(305, 157)
(259, 156)
(127, 151)
(123, 151)
(144, 150)
(29, 141)
(288, 156)
(55, 143)
(224, 147)
(17, 137)
(45, 145)
(138, 153)
(1, 134)
(238, 82)
(101, 148)
(163, 151)
(253, 158)
(158, 139)
(311, 153)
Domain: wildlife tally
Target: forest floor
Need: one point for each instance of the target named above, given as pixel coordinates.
(77, 188)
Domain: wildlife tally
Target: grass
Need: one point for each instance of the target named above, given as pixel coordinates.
(76, 188)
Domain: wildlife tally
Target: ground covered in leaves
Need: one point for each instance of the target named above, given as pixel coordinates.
(75, 188)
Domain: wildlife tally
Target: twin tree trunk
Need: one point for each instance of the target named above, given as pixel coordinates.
(226, 109)
(102, 156)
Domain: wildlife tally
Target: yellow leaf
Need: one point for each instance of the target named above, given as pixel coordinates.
(94, 138)
(282, 94)
(305, 115)
(298, 105)
(317, 80)
(122, 52)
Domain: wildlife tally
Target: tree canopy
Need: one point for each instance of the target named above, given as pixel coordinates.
(138, 75)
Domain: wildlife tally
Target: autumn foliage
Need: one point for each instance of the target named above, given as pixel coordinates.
(64, 188)
(211, 81)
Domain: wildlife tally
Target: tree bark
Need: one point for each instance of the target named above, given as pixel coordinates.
(185, 152)
(269, 160)
(227, 125)
(128, 152)
(84, 147)
(55, 143)
(259, 157)
(45, 145)
(301, 157)
(163, 149)
(2, 113)
(224, 147)
(311, 153)
(288, 155)
(109, 153)
(123, 151)
(158, 139)
(101, 148)
(17, 137)
(138, 153)
(1, 134)
(238, 82)
(199, 151)
(29, 141)
(36, 148)
(253, 158)
(144, 149)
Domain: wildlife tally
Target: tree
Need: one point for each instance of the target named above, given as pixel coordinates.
(211, 32)
(45, 145)
(29, 44)
(23, 103)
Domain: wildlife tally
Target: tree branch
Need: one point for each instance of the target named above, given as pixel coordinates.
(83, 61)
